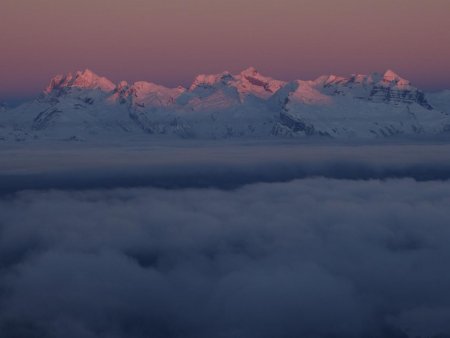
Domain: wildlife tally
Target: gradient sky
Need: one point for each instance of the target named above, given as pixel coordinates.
(170, 41)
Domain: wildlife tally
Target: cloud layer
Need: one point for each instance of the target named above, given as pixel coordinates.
(224, 165)
(308, 258)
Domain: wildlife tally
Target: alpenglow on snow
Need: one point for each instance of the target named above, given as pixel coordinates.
(84, 105)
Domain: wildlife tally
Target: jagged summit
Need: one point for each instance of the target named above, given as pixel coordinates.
(391, 76)
(223, 89)
(206, 80)
(388, 78)
(248, 82)
(144, 94)
(211, 79)
(392, 79)
(215, 106)
(327, 80)
(86, 79)
(251, 81)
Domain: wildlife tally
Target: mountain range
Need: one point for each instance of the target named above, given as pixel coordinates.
(84, 105)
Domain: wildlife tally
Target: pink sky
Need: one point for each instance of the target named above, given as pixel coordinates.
(171, 41)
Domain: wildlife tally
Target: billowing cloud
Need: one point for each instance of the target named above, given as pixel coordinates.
(308, 258)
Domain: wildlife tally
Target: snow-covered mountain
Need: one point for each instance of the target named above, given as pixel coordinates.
(83, 80)
(440, 100)
(84, 105)
(377, 105)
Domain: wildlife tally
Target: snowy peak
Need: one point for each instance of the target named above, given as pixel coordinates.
(392, 79)
(248, 87)
(82, 79)
(328, 80)
(90, 80)
(391, 76)
(58, 82)
(210, 80)
(248, 82)
(387, 87)
(83, 105)
(303, 93)
(387, 79)
(144, 94)
(144, 87)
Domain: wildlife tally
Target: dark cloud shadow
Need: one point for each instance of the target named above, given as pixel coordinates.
(219, 166)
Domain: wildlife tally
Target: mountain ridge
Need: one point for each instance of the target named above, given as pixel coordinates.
(84, 105)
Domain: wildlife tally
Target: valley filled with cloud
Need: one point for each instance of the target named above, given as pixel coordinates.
(284, 257)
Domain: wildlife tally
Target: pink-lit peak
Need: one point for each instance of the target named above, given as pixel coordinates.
(82, 79)
(247, 81)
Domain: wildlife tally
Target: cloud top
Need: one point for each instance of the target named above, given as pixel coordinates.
(313, 258)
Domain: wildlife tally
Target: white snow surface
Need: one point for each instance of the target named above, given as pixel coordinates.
(440, 100)
(85, 106)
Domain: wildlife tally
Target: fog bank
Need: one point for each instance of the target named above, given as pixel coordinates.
(220, 165)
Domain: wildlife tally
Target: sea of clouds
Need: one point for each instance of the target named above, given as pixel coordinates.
(308, 258)
(225, 241)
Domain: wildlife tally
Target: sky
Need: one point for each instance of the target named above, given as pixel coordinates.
(171, 41)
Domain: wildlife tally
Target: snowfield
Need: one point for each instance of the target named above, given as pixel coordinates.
(85, 106)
